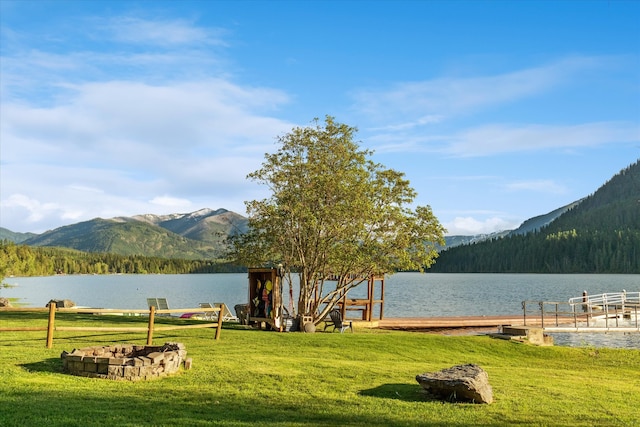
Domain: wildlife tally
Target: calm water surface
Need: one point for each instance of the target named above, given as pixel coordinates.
(406, 294)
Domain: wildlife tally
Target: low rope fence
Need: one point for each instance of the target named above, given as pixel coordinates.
(149, 329)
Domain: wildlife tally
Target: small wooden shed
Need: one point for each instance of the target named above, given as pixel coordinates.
(266, 302)
(265, 298)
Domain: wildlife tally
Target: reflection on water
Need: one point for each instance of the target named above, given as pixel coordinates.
(406, 294)
(610, 338)
(602, 339)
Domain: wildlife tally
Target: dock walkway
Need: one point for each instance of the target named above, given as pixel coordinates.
(612, 312)
(420, 323)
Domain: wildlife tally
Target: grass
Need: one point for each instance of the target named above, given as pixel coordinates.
(251, 378)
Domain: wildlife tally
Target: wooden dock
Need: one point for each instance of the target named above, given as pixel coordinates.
(551, 324)
(424, 323)
(576, 315)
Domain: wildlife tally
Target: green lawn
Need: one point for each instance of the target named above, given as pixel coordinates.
(259, 378)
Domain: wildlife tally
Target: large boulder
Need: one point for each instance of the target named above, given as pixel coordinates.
(4, 302)
(460, 383)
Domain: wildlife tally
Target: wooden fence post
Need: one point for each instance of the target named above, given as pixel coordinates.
(152, 313)
(50, 325)
(220, 316)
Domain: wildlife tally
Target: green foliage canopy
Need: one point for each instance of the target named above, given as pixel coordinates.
(334, 212)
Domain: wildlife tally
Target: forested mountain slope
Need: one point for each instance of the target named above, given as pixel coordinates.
(601, 234)
(122, 237)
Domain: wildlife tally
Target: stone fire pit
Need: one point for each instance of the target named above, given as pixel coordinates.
(125, 361)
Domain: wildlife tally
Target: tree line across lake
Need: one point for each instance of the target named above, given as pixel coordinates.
(22, 260)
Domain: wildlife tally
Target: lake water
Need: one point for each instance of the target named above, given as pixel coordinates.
(406, 294)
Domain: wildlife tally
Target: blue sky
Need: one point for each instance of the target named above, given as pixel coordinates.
(496, 111)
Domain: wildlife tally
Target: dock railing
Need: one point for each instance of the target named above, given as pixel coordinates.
(602, 312)
(549, 312)
(150, 328)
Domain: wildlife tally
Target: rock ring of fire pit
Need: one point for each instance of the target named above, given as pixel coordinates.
(125, 361)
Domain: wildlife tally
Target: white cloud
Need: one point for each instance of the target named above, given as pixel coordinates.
(33, 210)
(399, 142)
(468, 226)
(128, 122)
(498, 139)
(165, 33)
(421, 121)
(452, 97)
(154, 51)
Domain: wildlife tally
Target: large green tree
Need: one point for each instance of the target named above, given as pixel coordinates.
(333, 212)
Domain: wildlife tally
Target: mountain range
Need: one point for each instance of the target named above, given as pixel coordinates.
(196, 235)
(201, 234)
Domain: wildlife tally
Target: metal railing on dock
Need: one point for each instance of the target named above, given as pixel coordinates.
(597, 313)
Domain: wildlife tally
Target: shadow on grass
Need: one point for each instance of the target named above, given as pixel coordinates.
(51, 365)
(132, 406)
(404, 392)
(24, 315)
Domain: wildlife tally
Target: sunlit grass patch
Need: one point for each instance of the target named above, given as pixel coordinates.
(251, 377)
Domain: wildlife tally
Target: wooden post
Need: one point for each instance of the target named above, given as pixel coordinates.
(50, 326)
(372, 288)
(382, 297)
(152, 314)
(220, 316)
